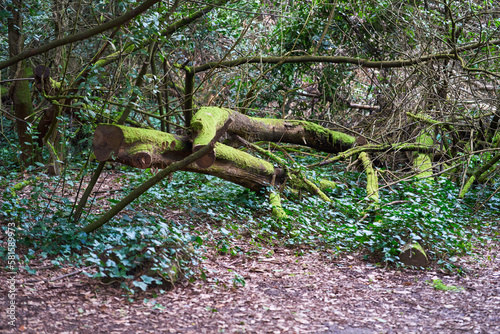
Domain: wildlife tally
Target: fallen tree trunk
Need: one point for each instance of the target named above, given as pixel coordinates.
(209, 119)
(149, 148)
(153, 181)
(143, 148)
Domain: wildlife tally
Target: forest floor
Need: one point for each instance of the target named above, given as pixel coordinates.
(284, 293)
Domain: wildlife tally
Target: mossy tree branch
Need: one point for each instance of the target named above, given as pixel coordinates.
(405, 147)
(423, 161)
(371, 178)
(206, 121)
(444, 55)
(153, 181)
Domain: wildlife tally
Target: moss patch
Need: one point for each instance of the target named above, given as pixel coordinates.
(439, 285)
(333, 135)
(423, 162)
(277, 209)
(242, 159)
(206, 122)
(371, 178)
(148, 140)
(325, 184)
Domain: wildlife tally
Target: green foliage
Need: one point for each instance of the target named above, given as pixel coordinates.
(441, 224)
(444, 226)
(143, 249)
(238, 280)
(9, 144)
(138, 251)
(439, 285)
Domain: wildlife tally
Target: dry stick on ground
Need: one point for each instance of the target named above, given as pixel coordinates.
(155, 179)
(76, 272)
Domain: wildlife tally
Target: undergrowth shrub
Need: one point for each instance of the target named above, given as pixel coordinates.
(135, 251)
(143, 250)
(420, 211)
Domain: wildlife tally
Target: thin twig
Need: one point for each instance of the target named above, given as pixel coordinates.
(76, 272)
(394, 203)
(18, 79)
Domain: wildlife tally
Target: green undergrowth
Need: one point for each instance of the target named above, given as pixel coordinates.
(164, 234)
(427, 212)
(133, 251)
(437, 284)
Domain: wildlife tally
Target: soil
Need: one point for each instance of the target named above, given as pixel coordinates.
(284, 293)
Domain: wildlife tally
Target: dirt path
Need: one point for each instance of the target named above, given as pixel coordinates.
(283, 294)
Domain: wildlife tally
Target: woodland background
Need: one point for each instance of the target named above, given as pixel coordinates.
(406, 94)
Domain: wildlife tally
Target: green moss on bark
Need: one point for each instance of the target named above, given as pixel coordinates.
(242, 159)
(206, 122)
(334, 135)
(371, 178)
(325, 184)
(150, 139)
(277, 209)
(422, 161)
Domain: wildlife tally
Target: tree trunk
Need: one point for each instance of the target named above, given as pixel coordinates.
(20, 90)
(143, 148)
(23, 110)
(208, 119)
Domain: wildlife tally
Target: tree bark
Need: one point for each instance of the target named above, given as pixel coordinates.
(20, 91)
(23, 110)
(208, 119)
(143, 148)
